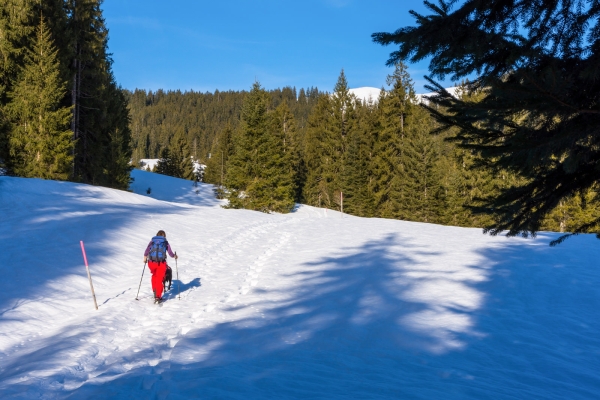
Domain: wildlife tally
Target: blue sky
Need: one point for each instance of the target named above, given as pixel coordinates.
(228, 44)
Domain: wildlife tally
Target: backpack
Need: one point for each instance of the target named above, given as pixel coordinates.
(158, 251)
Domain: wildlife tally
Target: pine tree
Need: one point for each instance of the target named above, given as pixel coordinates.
(40, 142)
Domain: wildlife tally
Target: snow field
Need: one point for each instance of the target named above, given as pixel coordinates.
(304, 305)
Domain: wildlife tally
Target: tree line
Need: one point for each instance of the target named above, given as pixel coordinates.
(161, 118)
(374, 158)
(378, 158)
(62, 114)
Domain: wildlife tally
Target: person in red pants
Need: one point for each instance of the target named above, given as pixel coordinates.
(156, 256)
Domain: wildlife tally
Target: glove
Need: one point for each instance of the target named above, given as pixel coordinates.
(145, 259)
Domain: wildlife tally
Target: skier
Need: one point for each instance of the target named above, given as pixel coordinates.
(156, 255)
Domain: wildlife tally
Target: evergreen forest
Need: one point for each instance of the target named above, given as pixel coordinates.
(62, 114)
(514, 151)
(533, 66)
(269, 149)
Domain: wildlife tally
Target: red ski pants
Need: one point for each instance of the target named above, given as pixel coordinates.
(158, 270)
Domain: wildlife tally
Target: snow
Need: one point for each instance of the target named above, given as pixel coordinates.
(371, 93)
(454, 91)
(312, 304)
(148, 163)
(366, 93)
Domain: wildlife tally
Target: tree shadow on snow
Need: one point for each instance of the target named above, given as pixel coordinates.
(357, 323)
(380, 321)
(168, 188)
(41, 238)
(541, 318)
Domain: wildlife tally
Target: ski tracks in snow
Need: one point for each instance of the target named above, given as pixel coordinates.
(221, 280)
(153, 333)
(219, 262)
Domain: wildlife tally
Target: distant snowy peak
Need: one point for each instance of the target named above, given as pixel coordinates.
(366, 93)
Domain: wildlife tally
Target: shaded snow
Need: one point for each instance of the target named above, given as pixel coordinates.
(304, 305)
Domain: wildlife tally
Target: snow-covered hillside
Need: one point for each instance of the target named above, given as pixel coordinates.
(311, 304)
(148, 164)
(371, 93)
(454, 91)
(366, 93)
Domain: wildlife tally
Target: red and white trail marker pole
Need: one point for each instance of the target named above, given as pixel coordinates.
(88, 272)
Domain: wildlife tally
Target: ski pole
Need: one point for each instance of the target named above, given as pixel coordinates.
(138, 293)
(177, 271)
(88, 273)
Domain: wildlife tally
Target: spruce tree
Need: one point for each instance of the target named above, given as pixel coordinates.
(329, 125)
(356, 174)
(572, 212)
(18, 32)
(166, 165)
(463, 182)
(182, 157)
(317, 191)
(118, 152)
(420, 179)
(244, 165)
(538, 70)
(222, 149)
(285, 124)
(40, 142)
(258, 173)
(92, 91)
(396, 106)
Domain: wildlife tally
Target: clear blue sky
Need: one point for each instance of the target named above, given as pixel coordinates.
(227, 44)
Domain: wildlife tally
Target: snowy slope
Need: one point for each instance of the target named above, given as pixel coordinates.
(148, 163)
(371, 93)
(454, 91)
(305, 305)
